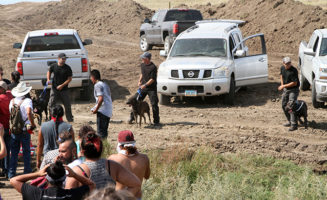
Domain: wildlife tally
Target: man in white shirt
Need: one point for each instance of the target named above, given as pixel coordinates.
(103, 107)
(23, 100)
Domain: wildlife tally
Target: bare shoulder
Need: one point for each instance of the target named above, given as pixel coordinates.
(113, 157)
(143, 156)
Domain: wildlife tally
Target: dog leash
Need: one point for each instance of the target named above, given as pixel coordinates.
(44, 90)
(300, 106)
(139, 92)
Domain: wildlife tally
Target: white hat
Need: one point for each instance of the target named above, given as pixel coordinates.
(286, 60)
(20, 90)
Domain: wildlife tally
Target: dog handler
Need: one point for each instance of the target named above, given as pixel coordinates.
(62, 76)
(148, 85)
(290, 86)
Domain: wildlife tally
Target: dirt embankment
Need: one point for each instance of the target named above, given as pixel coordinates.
(284, 22)
(91, 17)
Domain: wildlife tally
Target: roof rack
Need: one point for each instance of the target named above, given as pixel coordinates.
(238, 22)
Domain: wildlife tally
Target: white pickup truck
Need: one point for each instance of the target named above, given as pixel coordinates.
(40, 49)
(313, 66)
(211, 59)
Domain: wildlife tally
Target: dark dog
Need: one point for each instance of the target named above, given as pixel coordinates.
(139, 109)
(40, 104)
(301, 110)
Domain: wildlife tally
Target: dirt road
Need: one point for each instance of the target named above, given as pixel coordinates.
(253, 125)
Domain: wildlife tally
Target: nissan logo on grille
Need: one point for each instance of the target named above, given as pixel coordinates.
(190, 74)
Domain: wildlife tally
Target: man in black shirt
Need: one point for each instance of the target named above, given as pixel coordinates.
(290, 86)
(56, 176)
(62, 76)
(148, 86)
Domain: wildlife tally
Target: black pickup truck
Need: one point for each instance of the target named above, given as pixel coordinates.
(165, 26)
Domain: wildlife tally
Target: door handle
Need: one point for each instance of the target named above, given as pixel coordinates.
(262, 59)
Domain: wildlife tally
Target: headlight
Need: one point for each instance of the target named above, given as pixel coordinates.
(221, 72)
(163, 71)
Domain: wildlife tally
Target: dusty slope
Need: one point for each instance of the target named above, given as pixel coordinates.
(91, 16)
(284, 22)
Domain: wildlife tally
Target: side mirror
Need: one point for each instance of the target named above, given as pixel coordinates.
(309, 52)
(17, 45)
(87, 42)
(147, 21)
(240, 53)
(163, 53)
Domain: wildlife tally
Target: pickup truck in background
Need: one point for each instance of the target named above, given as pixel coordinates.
(212, 59)
(313, 67)
(165, 26)
(40, 49)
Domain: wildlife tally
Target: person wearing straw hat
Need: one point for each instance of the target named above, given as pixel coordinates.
(22, 99)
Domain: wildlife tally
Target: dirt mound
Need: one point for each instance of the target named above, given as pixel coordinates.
(284, 22)
(91, 16)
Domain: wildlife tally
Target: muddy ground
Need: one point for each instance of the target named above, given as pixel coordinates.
(253, 125)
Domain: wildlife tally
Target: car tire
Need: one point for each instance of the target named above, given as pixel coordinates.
(144, 44)
(229, 98)
(167, 45)
(304, 83)
(164, 99)
(315, 103)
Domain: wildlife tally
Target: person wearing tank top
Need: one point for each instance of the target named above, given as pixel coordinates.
(49, 133)
(102, 171)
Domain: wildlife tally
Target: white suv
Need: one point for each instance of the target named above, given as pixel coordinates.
(211, 59)
(40, 49)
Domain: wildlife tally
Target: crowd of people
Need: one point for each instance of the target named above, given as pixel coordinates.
(69, 167)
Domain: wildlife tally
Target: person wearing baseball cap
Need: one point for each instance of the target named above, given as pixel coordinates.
(290, 86)
(5, 98)
(128, 156)
(62, 76)
(148, 86)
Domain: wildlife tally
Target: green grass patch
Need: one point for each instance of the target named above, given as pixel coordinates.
(202, 174)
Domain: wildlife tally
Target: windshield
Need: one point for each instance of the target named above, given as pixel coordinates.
(182, 15)
(53, 42)
(323, 48)
(199, 47)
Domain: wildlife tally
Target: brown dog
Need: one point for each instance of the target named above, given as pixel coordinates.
(139, 109)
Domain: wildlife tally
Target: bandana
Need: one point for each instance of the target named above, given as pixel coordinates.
(95, 141)
(55, 119)
(123, 151)
(51, 180)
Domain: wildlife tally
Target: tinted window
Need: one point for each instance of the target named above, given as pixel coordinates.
(199, 47)
(48, 43)
(323, 48)
(181, 15)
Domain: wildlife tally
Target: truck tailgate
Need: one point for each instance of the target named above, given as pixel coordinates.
(37, 67)
(183, 25)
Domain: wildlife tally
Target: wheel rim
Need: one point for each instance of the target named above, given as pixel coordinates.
(143, 44)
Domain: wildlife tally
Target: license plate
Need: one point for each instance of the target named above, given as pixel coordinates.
(190, 93)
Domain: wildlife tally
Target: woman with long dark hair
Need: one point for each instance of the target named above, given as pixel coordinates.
(49, 132)
(102, 171)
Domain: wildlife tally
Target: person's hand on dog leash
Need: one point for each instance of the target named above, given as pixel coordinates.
(281, 87)
(143, 87)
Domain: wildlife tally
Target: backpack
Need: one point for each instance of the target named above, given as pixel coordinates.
(17, 123)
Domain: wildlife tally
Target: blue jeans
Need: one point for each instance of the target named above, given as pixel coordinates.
(102, 125)
(5, 164)
(16, 140)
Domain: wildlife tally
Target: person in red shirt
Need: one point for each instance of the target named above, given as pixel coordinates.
(5, 97)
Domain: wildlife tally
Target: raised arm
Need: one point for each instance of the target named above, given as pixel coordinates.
(125, 177)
